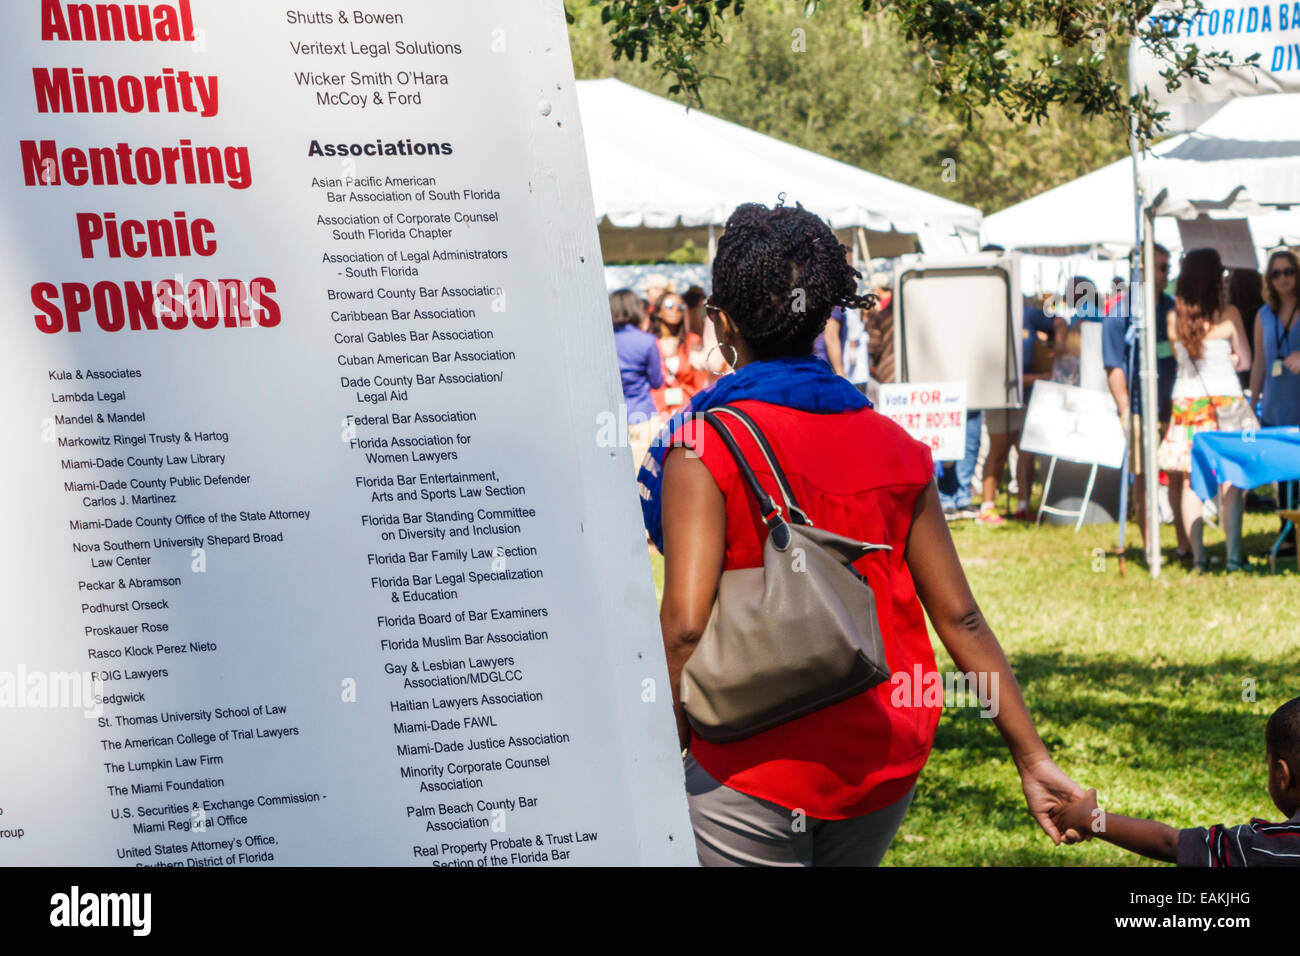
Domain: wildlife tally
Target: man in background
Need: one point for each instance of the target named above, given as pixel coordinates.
(1039, 327)
(1118, 290)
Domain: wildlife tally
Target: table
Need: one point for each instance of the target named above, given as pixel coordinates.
(1247, 460)
(1244, 459)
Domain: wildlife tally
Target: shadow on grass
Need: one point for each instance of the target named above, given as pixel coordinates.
(1166, 710)
(1175, 722)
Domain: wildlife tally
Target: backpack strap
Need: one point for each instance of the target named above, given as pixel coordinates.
(769, 509)
(797, 514)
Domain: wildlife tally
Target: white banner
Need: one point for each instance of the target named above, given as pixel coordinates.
(1271, 30)
(319, 544)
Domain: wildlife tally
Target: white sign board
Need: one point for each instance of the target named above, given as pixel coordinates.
(313, 553)
(1270, 31)
(1073, 424)
(933, 413)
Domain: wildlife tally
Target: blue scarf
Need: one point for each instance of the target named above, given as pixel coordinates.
(804, 383)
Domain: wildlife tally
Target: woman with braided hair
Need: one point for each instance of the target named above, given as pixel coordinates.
(831, 787)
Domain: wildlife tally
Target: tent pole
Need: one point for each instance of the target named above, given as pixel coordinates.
(1144, 316)
(1134, 280)
(1150, 398)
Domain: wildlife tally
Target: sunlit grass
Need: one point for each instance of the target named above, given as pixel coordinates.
(1136, 686)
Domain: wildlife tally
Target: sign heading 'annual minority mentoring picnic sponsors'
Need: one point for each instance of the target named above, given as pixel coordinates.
(312, 557)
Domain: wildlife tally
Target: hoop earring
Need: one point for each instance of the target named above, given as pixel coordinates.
(731, 366)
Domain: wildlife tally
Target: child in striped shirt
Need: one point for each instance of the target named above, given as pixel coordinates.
(1257, 843)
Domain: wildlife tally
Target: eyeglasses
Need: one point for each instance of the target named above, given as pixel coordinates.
(1281, 273)
(671, 307)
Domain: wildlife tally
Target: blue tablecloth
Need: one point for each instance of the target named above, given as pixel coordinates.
(1244, 459)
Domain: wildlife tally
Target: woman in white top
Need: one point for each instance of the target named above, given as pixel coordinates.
(1209, 341)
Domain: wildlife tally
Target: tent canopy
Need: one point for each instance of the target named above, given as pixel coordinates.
(1244, 162)
(1094, 211)
(641, 185)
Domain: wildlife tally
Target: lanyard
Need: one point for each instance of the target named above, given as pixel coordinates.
(1284, 334)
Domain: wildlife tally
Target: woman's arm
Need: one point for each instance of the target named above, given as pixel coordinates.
(834, 354)
(654, 366)
(1257, 370)
(695, 540)
(1240, 345)
(941, 585)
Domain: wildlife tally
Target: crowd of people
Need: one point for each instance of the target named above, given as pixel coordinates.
(1220, 330)
(1224, 362)
(667, 351)
(659, 339)
(831, 780)
(1229, 355)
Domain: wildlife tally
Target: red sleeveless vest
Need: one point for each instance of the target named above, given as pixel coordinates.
(858, 474)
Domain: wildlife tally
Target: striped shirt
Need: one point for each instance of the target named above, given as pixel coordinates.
(1257, 843)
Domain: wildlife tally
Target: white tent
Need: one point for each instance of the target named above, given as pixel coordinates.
(661, 173)
(1091, 213)
(1244, 162)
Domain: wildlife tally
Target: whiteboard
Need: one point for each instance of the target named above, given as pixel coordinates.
(961, 320)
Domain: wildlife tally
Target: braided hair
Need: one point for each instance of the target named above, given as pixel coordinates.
(778, 273)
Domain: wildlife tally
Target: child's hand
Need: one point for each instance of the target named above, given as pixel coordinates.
(1075, 819)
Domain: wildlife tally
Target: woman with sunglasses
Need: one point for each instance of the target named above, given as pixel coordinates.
(1276, 371)
(681, 379)
(831, 787)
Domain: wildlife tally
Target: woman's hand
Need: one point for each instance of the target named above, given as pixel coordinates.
(1047, 789)
(1292, 363)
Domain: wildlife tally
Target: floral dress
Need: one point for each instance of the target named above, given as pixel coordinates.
(1207, 397)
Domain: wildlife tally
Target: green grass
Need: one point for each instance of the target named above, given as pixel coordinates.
(1136, 686)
